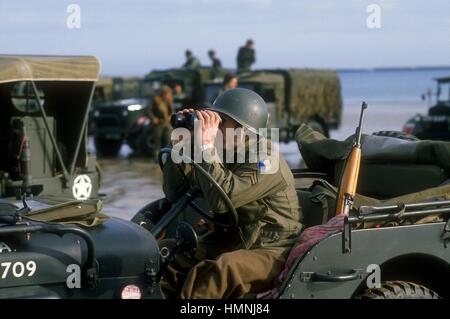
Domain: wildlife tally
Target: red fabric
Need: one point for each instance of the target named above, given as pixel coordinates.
(308, 238)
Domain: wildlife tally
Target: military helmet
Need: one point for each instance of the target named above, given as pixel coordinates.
(244, 106)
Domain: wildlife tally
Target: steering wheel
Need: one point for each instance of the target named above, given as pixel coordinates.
(231, 213)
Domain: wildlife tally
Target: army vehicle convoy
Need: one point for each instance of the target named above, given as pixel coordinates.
(56, 243)
(294, 97)
(436, 124)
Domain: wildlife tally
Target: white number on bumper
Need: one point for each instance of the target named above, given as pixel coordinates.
(17, 269)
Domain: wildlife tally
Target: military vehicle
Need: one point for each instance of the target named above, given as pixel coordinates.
(294, 97)
(117, 88)
(54, 240)
(393, 245)
(435, 125)
(109, 89)
(122, 120)
(118, 114)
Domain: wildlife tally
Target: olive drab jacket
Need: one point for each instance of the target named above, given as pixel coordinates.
(161, 110)
(268, 210)
(245, 58)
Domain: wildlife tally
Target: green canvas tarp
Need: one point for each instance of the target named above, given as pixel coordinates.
(314, 92)
(319, 152)
(15, 68)
(389, 166)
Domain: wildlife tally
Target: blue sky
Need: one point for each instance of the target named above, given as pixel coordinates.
(132, 37)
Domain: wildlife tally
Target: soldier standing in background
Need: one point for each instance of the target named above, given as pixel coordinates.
(246, 57)
(216, 65)
(192, 62)
(160, 111)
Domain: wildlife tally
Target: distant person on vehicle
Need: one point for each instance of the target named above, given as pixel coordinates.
(230, 81)
(216, 65)
(160, 111)
(192, 62)
(246, 57)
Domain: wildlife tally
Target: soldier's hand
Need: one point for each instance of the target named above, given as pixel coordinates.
(209, 124)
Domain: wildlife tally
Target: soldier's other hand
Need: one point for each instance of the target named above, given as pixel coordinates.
(178, 139)
(209, 124)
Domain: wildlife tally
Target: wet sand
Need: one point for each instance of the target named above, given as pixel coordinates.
(128, 185)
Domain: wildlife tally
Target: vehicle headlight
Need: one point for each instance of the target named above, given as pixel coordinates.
(131, 292)
(134, 107)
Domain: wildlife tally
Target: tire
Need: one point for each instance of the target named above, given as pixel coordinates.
(106, 147)
(397, 134)
(398, 290)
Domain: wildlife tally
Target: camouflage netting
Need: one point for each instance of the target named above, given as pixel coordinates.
(315, 91)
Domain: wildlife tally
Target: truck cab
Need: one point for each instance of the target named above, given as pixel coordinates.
(436, 124)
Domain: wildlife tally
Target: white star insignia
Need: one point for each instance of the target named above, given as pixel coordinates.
(82, 187)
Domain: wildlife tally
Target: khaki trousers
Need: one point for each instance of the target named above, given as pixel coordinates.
(229, 275)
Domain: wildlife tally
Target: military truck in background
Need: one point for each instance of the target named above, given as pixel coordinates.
(294, 96)
(117, 111)
(435, 125)
(192, 83)
(117, 121)
(117, 88)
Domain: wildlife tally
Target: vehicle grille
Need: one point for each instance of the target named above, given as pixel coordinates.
(107, 121)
